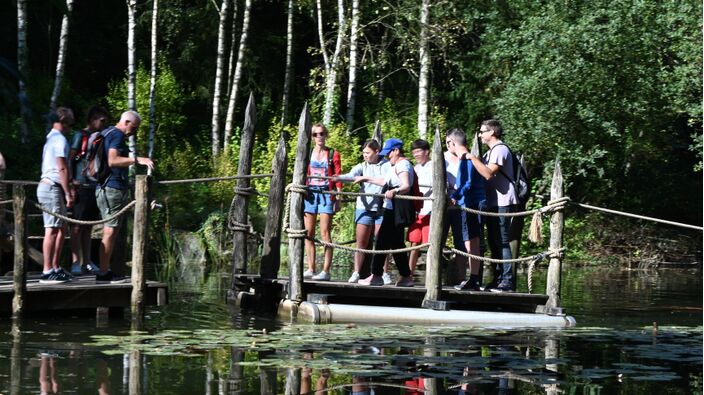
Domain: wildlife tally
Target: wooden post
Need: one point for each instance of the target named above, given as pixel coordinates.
(135, 373)
(3, 189)
(271, 257)
(296, 244)
(557, 223)
(241, 200)
(139, 250)
(19, 277)
(378, 135)
(433, 273)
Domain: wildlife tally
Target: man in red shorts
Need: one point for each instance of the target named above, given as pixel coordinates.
(418, 231)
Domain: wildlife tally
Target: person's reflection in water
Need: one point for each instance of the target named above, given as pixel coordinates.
(360, 386)
(306, 377)
(102, 376)
(47, 375)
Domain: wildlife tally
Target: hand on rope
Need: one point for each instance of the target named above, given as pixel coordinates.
(80, 222)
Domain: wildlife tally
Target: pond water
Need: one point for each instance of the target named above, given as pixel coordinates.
(638, 332)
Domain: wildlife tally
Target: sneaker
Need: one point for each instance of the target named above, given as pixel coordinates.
(489, 286)
(90, 268)
(472, 284)
(503, 287)
(109, 278)
(76, 269)
(372, 280)
(308, 274)
(354, 277)
(52, 278)
(61, 273)
(405, 282)
(322, 276)
(387, 278)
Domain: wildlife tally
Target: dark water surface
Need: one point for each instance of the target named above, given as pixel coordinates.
(196, 345)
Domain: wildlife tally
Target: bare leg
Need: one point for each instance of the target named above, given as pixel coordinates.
(76, 239)
(413, 258)
(58, 245)
(325, 228)
(309, 221)
(49, 246)
(386, 261)
(106, 246)
(362, 233)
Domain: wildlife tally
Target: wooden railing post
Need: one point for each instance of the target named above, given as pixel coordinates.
(557, 223)
(378, 135)
(241, 199)
(19, 278)
(271, 256)
(296, 244)
(433, 273)
(139, 249)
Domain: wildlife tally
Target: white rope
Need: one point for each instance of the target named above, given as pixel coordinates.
(80, 222)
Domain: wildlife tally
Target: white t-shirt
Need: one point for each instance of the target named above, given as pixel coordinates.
(425, 177)
(369, 203)
(56, 146)
(392, 180)
(452, 167)
(499, 189)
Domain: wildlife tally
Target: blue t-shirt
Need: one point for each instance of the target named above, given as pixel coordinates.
(115, 139)
(469, 185)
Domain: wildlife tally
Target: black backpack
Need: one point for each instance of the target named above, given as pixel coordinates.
(521, 182)
(97, 168)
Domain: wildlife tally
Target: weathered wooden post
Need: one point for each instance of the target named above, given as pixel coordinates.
(139, 250)
(557, 223)
(241, 198)
(271, 257)
(296, 243)
(19, 278)
(433, 273)
(378, 135)
(135, 373)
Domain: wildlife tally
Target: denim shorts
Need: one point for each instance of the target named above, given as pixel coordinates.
(366, 217)
(465, 226)
(51, 197)
(317, 202)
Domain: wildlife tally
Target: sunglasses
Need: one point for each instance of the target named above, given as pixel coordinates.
(319, 134)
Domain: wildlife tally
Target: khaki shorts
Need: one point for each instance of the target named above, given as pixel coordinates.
(110, 201)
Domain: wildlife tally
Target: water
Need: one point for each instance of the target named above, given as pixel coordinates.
(638, 332)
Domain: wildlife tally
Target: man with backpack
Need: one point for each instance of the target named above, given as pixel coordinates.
(497, 167)
(85, 207)
(112, 193)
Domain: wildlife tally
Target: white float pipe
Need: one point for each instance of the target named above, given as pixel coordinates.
(344, 313)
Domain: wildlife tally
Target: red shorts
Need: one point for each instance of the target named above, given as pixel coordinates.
(419, 231)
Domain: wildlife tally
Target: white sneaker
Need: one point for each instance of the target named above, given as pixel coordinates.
(308, 274)
(387, 278)
(354, 277)
(322, 276)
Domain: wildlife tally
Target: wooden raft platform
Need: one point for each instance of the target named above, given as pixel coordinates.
(325, 292)
(79, 294)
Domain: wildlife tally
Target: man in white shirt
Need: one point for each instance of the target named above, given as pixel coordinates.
(55, 193)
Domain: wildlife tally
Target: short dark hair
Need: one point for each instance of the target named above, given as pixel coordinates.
(495, 126)
(420, 143)
(97, 112)
(63, 115)
(371, 143)
(458, 136)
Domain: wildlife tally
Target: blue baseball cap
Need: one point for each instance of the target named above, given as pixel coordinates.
(389, 145)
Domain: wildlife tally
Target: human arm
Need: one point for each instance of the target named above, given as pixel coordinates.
(115, 160)
(486, 171)
(374, 180)
(64, 180)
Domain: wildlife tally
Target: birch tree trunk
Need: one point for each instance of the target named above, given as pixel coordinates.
(352, 87)
(220, 64)
(61, 59)
(238, 74)
(233, 45)
(152, 80)
(289, 64)
(331, 66)
(131, 73)
(424, 68)
(22, 68)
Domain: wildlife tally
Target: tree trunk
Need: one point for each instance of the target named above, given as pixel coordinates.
(424, 68)
(238, 74)
(220, 64)
(22, 68)
(152, 81)
(233, 45)
(61, 59)
(131, 73)
(331, 66)
(289, 64)
(352, 87)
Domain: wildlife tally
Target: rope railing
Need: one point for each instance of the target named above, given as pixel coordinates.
(643, 217)
(80, 222)
(215, 179)
(5, 201)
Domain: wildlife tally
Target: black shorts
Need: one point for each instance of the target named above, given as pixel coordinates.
(85, 208)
